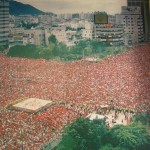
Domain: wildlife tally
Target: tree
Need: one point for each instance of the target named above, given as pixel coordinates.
(144, 118)
(83, 134)
(46, 54)
(131, 137)
(79, 47)
(28, 51)
(109, 147)
(52, 39)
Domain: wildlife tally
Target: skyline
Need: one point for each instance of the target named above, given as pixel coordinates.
(76, 6)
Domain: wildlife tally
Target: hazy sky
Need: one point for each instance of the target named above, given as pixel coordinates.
(69, 6)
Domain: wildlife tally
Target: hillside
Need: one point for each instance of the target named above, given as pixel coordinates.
(17, 8)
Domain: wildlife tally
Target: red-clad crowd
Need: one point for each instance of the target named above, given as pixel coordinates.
(77, 88)
(31, 131)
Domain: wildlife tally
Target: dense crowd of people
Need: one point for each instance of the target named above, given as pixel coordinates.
(77, 88)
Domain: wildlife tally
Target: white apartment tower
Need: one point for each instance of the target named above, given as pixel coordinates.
(4, 22)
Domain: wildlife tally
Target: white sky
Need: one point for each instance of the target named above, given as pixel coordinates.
(72, 6)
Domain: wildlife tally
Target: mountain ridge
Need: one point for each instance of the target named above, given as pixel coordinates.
(18, 8)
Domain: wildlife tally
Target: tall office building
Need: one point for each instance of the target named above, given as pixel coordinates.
(4, 22)
(145, 9)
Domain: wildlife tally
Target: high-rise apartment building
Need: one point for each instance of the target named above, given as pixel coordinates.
(132, 20)
(145, 10)
(4, 22)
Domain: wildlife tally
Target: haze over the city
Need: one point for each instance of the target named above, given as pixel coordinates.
(73, 6)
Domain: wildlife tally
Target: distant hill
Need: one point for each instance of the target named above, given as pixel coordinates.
(17, 8)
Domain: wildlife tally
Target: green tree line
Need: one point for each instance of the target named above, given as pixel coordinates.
(58, 50)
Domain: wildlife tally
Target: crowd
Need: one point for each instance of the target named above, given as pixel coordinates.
(77, 88)
(31, 131)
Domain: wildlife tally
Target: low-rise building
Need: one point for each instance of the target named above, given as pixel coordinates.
(87, 33)
(32, 36)
(16, 31)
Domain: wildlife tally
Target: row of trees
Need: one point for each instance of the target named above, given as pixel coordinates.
(56, 50)
(84, 134)
(28, 51)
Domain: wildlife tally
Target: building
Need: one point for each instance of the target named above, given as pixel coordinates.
(31, 36)
(68, 16)
(61, 35)
(4, 22)
(16, 31)
(18, 20)
(75, 15)
(132, 21)
(111, 19)
(18, 40)
(34, 19)
(112, 34)
(145, 11)
(105, 29)
(45, 19)
(87, 16)
(67, 37)
(87, 33)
